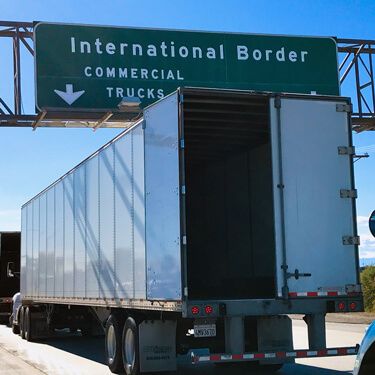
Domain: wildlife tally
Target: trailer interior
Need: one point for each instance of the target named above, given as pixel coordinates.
(229, 195)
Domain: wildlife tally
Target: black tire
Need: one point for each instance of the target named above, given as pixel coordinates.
(27, 324)
(22, 322)
(113, 343)
(15, 329)
(130, 353)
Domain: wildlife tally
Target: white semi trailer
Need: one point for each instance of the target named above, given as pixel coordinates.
(201, 226)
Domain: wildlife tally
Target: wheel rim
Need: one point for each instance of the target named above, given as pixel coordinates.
(129, 348)
(111, 344)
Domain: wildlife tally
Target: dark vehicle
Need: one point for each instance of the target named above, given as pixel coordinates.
(9, 271)
(371, 223)
(365, 361)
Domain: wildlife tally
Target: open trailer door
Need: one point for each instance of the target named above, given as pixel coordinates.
(314, 196)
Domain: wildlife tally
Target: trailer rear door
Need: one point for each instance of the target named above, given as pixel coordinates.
(314, 197)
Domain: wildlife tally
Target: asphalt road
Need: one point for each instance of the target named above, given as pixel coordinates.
(73, 354)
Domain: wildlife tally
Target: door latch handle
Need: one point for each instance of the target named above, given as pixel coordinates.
(296, 274)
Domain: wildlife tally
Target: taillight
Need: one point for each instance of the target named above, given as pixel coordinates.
(195, 310)
(353, 306)
(341, 306)
(208, 310)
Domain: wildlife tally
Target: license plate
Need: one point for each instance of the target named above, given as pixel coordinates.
(205, 330)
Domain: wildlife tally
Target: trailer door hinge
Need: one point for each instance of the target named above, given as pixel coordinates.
(347, 193)
(182, 143)
(346, 150)
(183, 189)
(351, 240)
(341, 107)
(144, 124)
(277, 102)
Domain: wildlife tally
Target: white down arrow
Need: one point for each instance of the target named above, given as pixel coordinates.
(69, 95)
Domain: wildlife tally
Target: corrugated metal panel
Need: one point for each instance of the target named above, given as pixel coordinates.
(79, 231)
(124, 218)
(162, 200)
(92, 228)
(139, 260)
(50, 260)
(29, 248)
(93, 224)
(68, 236)
(35, 247)
(59, 240)
(42, 201)
(106, 222)
(23, 250)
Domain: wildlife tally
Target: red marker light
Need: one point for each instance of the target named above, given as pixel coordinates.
(195, 310)
(341, 306)
(208, 310)
(353, 306)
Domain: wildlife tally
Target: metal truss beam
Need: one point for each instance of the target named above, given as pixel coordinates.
(357, 65)
(356, 68)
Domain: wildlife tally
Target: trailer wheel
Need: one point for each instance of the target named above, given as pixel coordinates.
(113, 352)
(27, 324)
(22, 322)
(130, 347)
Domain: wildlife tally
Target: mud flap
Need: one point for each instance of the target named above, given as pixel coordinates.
(39, 327)
(157, 346)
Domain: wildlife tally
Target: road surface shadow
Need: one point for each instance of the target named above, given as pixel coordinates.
(91, 348)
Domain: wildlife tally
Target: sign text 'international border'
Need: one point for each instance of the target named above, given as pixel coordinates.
(94, 67)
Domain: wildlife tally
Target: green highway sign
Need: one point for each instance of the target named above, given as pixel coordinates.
(94, 67)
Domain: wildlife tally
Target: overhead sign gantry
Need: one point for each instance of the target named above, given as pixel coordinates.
(83, 72)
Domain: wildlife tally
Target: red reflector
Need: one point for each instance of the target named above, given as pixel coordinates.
(341, 306)
(215, 357)
(353, 306)
(208, 309)
(195, 310)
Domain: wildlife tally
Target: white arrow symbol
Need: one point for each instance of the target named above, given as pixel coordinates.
(69, 95)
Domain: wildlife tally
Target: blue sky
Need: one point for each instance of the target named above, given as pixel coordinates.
(29, 161)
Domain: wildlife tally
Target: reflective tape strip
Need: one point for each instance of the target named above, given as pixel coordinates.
(248, 356)
(204, 358)
(318, 294)
(238, 356)
(270, 355)
(332, 352)
(226, 357)
(291, 354)
(273, 355)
